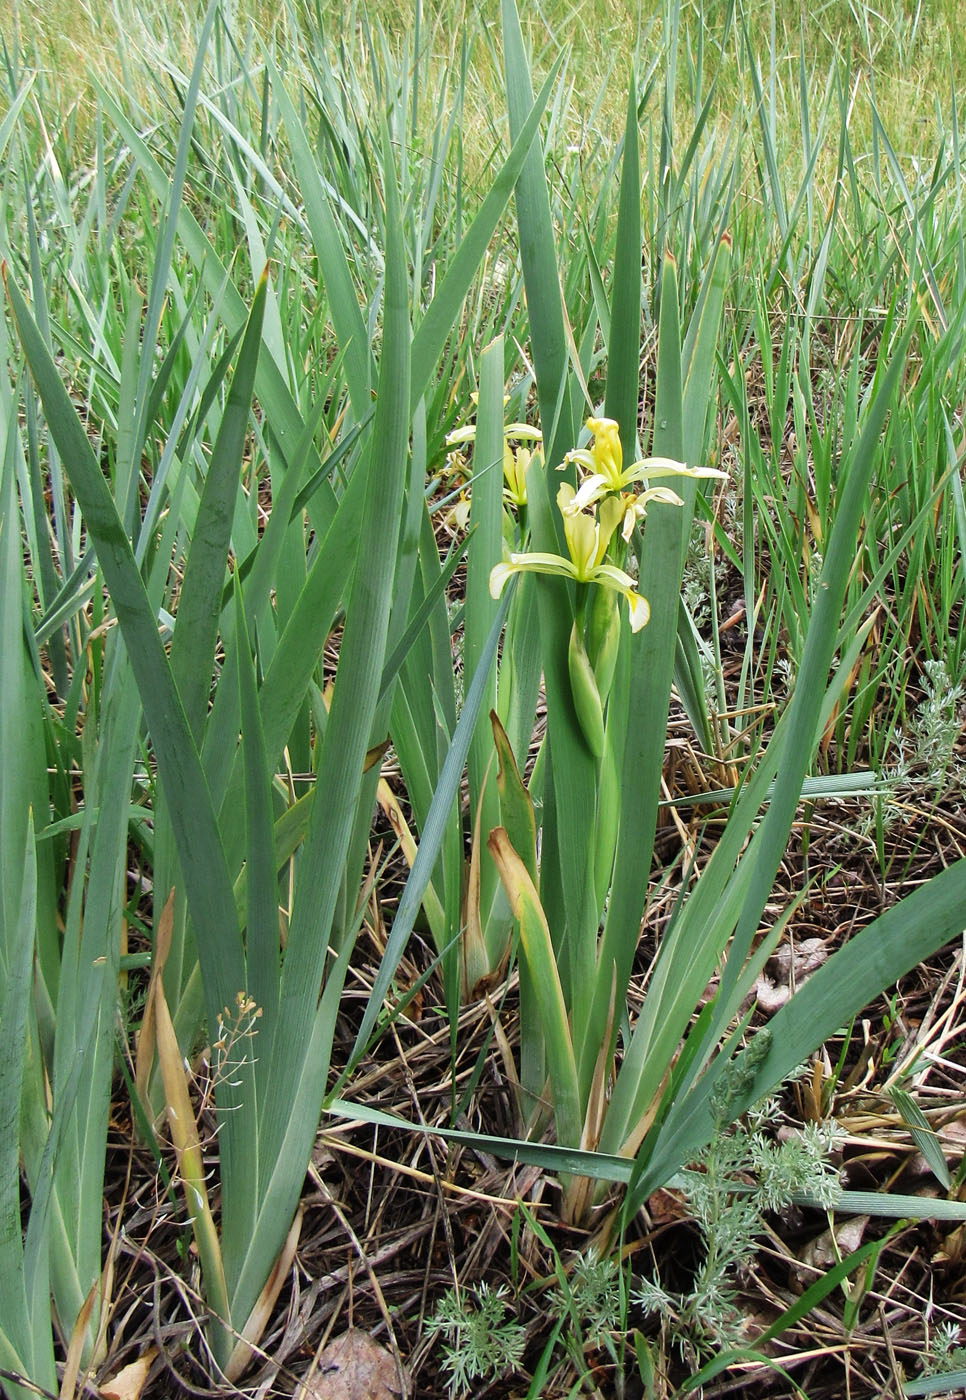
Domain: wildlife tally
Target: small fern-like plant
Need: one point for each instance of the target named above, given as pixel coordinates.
(741, 1173)
(945, 1351)
(479, 1341)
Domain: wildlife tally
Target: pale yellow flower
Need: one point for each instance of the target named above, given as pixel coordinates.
(587, 540)
(603, 462)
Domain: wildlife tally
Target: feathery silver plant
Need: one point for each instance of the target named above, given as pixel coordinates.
(728, 1212)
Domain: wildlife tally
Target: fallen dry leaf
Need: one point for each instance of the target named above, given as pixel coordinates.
(354, 1367)
(788, 968)
(666, 1206)
(129, 1381)
(821, 1253)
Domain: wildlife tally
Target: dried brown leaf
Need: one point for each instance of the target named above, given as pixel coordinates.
(823, 1252)
(354, 1367)
(129, 1381)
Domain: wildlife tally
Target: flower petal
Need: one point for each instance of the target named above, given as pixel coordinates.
(610, 512)
(612, 577)
(652, 467)
(609, 576)
(664, 494)
(538, 563)
(528, 563)
(590, 490)
(499, 575)
(515, 465)
(607, 451)
(582, 457)
(639, 610)
(601, 426)
(582, 532)
(565, 497)
(460, 435)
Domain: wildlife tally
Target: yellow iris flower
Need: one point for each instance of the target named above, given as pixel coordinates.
(603, 463)
(587, 540)
(515, 461)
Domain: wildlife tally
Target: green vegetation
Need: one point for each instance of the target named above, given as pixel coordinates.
(411, 416)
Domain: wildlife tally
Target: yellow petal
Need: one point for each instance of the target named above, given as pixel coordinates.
(639, 610)
(582, 534)
(565, 497)
(611, 510)
(607, 451)
(498, 578)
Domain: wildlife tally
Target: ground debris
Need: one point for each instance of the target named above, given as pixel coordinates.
(354, 1367)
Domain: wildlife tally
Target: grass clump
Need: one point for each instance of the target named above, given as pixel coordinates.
(256, 275)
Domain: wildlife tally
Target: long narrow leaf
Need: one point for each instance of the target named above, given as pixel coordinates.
(431, 839)
(874, 958)
(270, 1187)
(206, 874)
(443, 311)
(622, 401)
(193, 648)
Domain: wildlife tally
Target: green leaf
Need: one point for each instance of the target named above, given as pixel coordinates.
(26, 1338)
(562, 1161)
(622, 401)
(270, 386)
(873, 959)
(538, 254)
(944, 1384)
(810, 688)
(133, 428)
(516, 808)
(651, 666)
(443, 311)
(350, 327)
(431, 838)
(542, 965)
(923, 1135)
(298, 1050)
(484, 551)
(186, 791)
(199, 603)
(262, 950)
